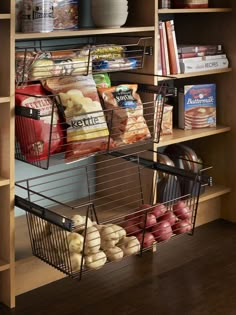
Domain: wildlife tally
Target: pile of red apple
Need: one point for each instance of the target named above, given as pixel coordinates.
(160, 224)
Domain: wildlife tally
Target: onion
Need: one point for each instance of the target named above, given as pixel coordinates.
(158, 210)
(132, 226)
(168, 216)
(149, 239)
(181, 210)
(181, 227)
(162, 231)
(150, 221)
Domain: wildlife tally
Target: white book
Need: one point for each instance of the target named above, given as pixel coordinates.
(205, 65)
(175, 45)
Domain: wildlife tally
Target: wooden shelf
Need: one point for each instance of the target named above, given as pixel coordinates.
(4, 99)
(214, 192)
(4, 265)
(4, 16)
(206, 10)
(180, 135)
(194, 74)
(84, 32)
(4, 181)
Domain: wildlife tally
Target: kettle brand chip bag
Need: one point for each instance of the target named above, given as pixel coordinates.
(34, 135)
(126, 114)
(87, 130)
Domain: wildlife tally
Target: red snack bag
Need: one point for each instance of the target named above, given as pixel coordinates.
(33, 135)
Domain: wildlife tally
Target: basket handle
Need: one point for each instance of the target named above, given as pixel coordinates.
(43, 213)
(27, 112)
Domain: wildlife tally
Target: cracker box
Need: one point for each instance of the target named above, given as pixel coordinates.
(197, 106)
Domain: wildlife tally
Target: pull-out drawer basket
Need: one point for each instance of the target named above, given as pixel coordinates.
(85, 217)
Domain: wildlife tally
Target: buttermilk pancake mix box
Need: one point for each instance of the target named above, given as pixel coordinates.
(197, 106)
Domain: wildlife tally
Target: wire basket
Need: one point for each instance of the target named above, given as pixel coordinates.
(42, 139)
(39, 63)
(83, 218)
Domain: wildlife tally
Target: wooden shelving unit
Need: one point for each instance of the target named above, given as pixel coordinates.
(187, 135)
(187, 11)
(143, 20)
(194, 74)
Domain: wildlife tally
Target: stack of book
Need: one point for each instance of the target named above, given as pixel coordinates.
(175, 58)
(195, 58)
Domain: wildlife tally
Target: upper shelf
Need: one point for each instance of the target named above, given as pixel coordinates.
(84, 32)
(194, 74)
(5, 16)
(3, 265)
(180, 135)
(209, 10)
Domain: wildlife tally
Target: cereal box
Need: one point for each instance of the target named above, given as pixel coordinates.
(197, 106)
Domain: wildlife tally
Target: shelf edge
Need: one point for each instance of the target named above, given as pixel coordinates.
(184, 11)
(214, 192)
(4, 265)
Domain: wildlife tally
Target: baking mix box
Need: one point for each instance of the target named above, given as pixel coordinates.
(197, 106)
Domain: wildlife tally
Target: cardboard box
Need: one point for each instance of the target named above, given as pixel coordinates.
(197, 106)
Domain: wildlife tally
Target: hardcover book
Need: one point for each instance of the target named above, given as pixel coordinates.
(197, 106)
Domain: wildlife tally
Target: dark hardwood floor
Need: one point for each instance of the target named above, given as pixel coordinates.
(187, 276)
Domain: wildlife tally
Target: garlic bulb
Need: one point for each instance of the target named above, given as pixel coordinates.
(76, 260)
(120, 230)
(107, 244)
(108, 233)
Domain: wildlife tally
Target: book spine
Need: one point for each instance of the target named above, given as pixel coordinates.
(204, 65)
(166, 49)
(194, 59)
(209, 49)
(162, 49)
(159, 67)
(172, 47)
(199, 54)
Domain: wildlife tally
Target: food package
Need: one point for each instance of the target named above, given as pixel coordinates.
(33, 135)
(87, 130)
(65, 14)
(167, 120)
(102, 80)
(32, 66)
(125, 114)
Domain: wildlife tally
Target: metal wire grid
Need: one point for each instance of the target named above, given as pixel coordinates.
(36, 145)
(78, 61)
(113, 194)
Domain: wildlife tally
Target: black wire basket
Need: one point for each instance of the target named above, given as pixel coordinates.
(86, 217)
(42, 138)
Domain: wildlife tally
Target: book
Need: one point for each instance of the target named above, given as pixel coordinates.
(197, 106)
(209, 49)
(199, 54)
(166, 49)
(191, 4)
(204, 65)
(172, 47)
(159, 67)
(162, 49)
(203, 58)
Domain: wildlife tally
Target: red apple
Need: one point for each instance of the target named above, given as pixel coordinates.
(168, 216)
(132, 226)
(181, 210)
(162, 231)
(181, 227)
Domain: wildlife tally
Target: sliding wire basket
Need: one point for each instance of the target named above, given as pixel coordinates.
(40, 62)
(86, 217)
(43, 137)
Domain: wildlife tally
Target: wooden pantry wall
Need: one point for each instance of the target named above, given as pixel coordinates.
(218, 150)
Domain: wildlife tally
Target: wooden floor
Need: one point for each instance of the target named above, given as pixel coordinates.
(187, 276)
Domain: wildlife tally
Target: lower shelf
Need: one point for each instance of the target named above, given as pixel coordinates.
(214, 192)
(4, 181)
(4, 265)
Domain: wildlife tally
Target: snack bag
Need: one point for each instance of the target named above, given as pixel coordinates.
(33, 135)
(87, 130)
(128, 124)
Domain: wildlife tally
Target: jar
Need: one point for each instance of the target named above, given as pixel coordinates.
(27, 16)
(164, 4)
(43, 16)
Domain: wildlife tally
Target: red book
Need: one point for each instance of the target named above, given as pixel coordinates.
(172, 47)
(162, 49)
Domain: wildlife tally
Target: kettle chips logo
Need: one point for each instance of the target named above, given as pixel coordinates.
(85, 122)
